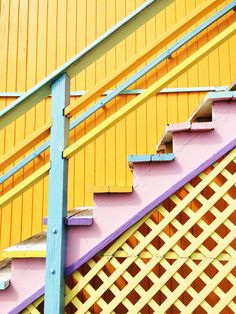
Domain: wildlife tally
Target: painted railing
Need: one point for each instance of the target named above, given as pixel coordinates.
(74, 108)
(58, 85)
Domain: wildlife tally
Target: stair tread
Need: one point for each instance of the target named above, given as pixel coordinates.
(34, 243)
(79, 216)
(111, 189)
(151, 158)
(183, 127)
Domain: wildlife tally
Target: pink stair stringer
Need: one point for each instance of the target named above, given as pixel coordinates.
(115, 213)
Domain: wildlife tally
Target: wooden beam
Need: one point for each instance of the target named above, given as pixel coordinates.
(57, 199)
(141, 57)
(83, 59)
(152, 90)
(24, 185)
(30, 142)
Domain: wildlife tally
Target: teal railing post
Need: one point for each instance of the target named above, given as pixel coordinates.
(57, 203)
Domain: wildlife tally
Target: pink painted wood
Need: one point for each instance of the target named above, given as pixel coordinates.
(114, 213)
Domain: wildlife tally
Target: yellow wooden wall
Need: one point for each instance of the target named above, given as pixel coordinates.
(38, 36)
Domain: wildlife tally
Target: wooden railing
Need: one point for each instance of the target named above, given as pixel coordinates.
(126, 69)
(58, 85)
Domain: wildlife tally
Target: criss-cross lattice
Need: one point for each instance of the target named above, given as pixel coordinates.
(179, 258)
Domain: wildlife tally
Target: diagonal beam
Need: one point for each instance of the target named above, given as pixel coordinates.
(200, 12)
(152, 90)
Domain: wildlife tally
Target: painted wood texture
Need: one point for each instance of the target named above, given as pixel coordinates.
(37, 37)
(179, 258)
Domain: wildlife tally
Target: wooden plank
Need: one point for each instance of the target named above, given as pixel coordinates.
(151, 158)
(25, 146)
(32, 247)
(142, 56)
(111, 189)
(21, 187)
(152, 90)
(57, 200)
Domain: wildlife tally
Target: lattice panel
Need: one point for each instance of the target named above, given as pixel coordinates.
(180, 258)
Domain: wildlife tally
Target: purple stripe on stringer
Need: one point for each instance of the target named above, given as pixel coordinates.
(70, 269)
(20, 307)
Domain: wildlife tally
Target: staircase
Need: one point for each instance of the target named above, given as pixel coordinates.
(185, 150)
(196, 146)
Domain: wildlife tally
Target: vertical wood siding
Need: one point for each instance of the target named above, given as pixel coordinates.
(37, 37)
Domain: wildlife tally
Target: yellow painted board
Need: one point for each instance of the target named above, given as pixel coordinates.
(24, 145)
(27, 183)
(23, 254)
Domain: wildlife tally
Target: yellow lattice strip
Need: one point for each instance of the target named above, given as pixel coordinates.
(179, 256)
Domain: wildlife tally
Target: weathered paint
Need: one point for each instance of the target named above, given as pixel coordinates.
(40, 52)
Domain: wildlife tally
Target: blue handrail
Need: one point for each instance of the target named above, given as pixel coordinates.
(120, 89)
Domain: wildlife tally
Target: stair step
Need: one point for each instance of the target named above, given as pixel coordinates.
(166, 143)
(35, 246)
(150, 158)
(204, 111)
(5, 273)
(79, 216)
(111, 189)
(190, 126)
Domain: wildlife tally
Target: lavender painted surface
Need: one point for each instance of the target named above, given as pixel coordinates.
(178, 127)
(202, 126)
(194, 151)
(79, 221)
(27, 278)
(153, 183)
(75, 221)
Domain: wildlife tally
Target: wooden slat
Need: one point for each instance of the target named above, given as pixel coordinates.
(24, 185)
(152, 90)
(160, 269)
(25, 146)
(111, 189)
(141, 57)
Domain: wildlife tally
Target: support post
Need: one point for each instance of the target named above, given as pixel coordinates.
(57, 206)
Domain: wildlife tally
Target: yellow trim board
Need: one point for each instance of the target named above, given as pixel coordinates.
(22, 254)
(24, 185)
(152, 90)
(30, 142)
